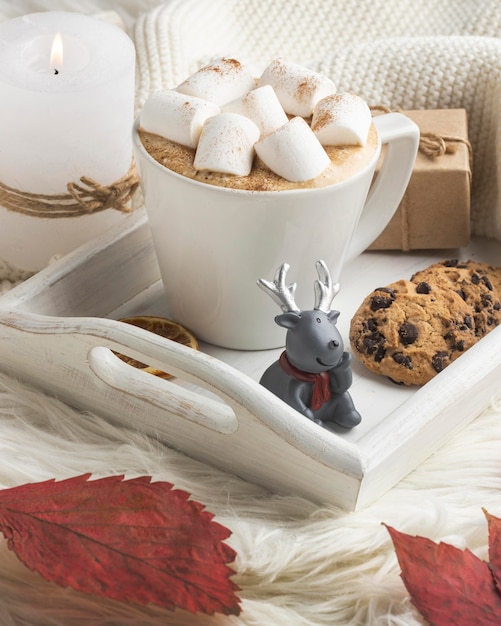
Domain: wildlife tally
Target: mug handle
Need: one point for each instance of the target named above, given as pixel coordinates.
(401, 137)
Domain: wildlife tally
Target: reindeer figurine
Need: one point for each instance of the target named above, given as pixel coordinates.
(313, 374)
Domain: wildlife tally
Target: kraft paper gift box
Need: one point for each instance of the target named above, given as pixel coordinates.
(435, 211)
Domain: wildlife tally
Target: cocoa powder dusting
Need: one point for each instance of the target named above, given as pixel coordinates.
(306, 88)
(226, 66)
(324, 118)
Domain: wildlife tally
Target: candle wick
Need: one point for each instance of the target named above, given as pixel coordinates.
(56, 71)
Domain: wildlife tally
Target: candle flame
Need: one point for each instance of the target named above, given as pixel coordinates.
(56, 53)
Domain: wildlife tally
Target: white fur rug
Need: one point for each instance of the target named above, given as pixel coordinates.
(298, 564)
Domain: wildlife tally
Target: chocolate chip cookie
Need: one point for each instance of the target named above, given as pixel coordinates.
(410, 331)
(476, 283)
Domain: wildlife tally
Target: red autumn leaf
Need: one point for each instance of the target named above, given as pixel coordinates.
(447, 585)
(130, 540)
(494, 526)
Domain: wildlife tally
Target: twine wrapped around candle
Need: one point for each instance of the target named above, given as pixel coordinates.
(84, 198)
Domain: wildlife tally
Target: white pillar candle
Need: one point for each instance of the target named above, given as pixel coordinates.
(61, 119)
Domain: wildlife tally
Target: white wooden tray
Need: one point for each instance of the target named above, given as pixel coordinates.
(58, 330)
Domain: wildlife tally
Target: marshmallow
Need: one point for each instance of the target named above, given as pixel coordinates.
(220, 82)
(298, 88)
(176, 116)
(261, 106)
(341, 119)
(227, 145)
(293, 152)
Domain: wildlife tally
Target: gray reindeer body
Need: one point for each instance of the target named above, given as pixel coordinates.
(313, 374)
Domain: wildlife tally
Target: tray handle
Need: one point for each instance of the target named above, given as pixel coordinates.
(72, 357)
(188, 404)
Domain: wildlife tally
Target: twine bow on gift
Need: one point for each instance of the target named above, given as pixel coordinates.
(434, 145)
(84, 198)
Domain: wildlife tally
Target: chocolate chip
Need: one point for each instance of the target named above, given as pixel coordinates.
(467, 323)
(386, 290)
(423, 287)
(372, 324)
(438, 360)
(374, 344)
(373, 341)
(380, 354)
(451, 263)
(485, 279)
(456, 344)
(402, 359)
(461, 294)
(408, 333)
(381, 302)
(475, 278)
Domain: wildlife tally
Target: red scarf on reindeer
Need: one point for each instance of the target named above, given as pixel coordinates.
(321, 381)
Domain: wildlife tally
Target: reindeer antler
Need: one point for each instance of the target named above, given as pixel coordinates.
(325, 289)
(282, 294)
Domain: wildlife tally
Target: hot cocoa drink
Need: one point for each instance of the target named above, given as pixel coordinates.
(287, 129)
(345, 161)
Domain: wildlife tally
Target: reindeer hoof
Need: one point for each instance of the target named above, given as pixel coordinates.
(349, 420)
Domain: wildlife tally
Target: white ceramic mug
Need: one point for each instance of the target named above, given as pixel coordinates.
(213, 243)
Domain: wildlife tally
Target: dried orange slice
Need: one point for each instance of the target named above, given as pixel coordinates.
(165, 328)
